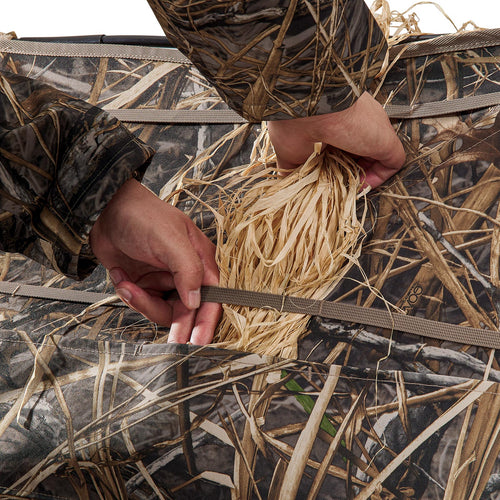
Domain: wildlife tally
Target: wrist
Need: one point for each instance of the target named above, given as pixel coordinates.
(98, 240)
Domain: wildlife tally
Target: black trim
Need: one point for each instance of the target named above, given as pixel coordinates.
(149, 41)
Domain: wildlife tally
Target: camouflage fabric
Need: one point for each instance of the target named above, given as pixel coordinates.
(61, 161)
(93, 403)
(282, 58)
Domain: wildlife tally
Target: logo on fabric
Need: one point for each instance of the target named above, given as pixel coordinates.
(411, 298)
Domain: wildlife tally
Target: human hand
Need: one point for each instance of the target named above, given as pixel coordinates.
(363, 129)
(150, 247)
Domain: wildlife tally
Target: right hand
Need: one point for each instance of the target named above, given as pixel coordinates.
(150, 247)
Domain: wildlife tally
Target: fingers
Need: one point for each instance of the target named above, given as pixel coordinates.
(186, 325)
(146, 296)
(376, 174)
(188, 277)
(192, 265)
(384, 165)
(182, 323)
(382, 153)
(190, 258)
(153, 307)
(196, 327)
(363, 130)
(205, 324)
(151, 246)
(173, 246)
(291, 144)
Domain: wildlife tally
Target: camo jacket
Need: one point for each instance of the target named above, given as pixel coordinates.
(275, 59)
(62, 159)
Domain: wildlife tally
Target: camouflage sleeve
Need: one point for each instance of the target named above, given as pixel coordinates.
(61, 161)
(275, 59)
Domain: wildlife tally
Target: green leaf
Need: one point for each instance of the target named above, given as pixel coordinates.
(307, 402)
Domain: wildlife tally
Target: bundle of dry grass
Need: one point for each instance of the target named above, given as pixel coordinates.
(291, 235)
(294, 235)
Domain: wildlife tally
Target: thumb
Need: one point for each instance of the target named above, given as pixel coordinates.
(176, 246)
(187, 280)
(187, 270)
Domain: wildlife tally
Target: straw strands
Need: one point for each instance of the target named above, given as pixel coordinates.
(294, 234)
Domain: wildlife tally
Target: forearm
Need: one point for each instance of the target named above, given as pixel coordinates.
(61, 161)
(278, 59)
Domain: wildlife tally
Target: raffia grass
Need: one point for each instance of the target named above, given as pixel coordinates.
(291, 235)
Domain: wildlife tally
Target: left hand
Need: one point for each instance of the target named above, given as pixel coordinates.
(150, 247)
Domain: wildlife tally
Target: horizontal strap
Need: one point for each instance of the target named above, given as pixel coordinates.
(59, 49)
(214, 116)
(166, 116)
(296, 305)
(440, 108)
(437, 45)
(355, 314)
(455, 42)
(59, 294)
(440, 44)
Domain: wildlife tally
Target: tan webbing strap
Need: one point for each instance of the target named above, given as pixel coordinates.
(59, 49)
(220, 116)
(198, 116)
(438, 45)
(282, 303)
(355, 314)
(453, 42)
(442, 108)
(49, 293)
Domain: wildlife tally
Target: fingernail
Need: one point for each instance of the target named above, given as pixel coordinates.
(194, 340)
(124, 294)
(172, 340)
(194, 299)
(116, 276)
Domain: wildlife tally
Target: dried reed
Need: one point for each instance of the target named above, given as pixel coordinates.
(291, 235)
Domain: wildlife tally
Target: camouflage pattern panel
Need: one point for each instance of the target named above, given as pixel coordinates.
(172, 421)
(152, 82)
(282, 58)
(363, 413)
(61, 161)
(433, 250)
